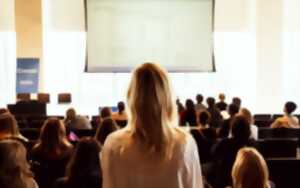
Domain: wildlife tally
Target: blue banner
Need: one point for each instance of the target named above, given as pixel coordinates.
(27, 75)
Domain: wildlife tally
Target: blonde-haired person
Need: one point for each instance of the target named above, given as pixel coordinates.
(250, 170)
(14, 168)
(150, 151)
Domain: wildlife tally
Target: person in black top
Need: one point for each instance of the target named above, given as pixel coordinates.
(221, 105)
(84, 169)
(225, 128)
(216, 117)
(224, 153)
(189, 115)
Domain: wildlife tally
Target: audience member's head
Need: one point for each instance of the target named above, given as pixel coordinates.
(107, 126)
(53, 137)
(152, 109)
(204, 118)
(250, 170)
(240, 128)
(121, 107)
(222, 97)
(233, 109)
(3, 111)
(247, 114)
(105, 112)
(71, 114)
(199, 98)
(210, 102)
(14, 168)
(237, 101)
(8, 126)
(180, 107)
(189, 105)
(290, 107)
(85, 162)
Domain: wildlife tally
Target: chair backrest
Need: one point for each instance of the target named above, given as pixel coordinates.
(275, 116)
(43, 97)
(264, 117)
(266, 133)
(278, 147)
(64, 98)
(23, 97)
(84, 132)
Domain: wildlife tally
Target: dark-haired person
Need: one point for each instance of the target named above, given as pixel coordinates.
(216, 117)
(14, 169)
(225, 151)
(200, 106)
(237, 101)
(221, 105)
(151, 151)
(205, 136)
(189, 116)
(107, 126)
(287, 120)
(225, 128)
(105, 112)
(84, 169)
(74, 121)
(9, 128)
(51, 153)
(120, 117)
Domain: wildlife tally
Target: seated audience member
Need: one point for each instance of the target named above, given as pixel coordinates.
(237, 101)
(9, 128)
(225, 151)
(225, 128)
(254, 129)
(221, 105)
(250, 170)
(121, 114)
(180, 107)
(204, 136)
(216, 117)
(189, 115)
(74, 121)
(51, 153)
(3, 111)
(107, 126)
(151, 151)
(120, 117)
(84, 169)
(287, 120)
(200, 106)
(104, 113)
(14, 169)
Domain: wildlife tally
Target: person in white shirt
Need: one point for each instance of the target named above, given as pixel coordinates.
(150, 152)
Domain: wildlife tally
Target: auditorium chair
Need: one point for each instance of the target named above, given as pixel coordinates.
(43, 97)
(64, 98)
(278, 147)
(275, 116)
(23, 97)
(263, 123)
(264, 117)
(266, 133)
(284, 172)
(30, 133)
(84, 132)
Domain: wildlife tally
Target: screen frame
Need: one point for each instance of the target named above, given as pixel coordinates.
(128, 69)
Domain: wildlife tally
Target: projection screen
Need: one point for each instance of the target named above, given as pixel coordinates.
(177, 34)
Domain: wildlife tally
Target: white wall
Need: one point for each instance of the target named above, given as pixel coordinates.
(249, 61)
(7, 53)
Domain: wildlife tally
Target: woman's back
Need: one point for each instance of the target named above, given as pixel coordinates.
(127, 164)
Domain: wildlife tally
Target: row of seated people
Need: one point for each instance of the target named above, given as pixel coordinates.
(44, 162)
(54, 157)
(221, 113)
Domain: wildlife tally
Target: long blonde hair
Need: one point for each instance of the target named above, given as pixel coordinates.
(152, 108)
(250, 170)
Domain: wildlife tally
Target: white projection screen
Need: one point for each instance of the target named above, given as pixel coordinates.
(177, 34)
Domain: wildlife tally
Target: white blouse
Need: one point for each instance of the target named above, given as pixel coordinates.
(125, 164)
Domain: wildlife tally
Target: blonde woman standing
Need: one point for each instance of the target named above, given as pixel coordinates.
(151, 151)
